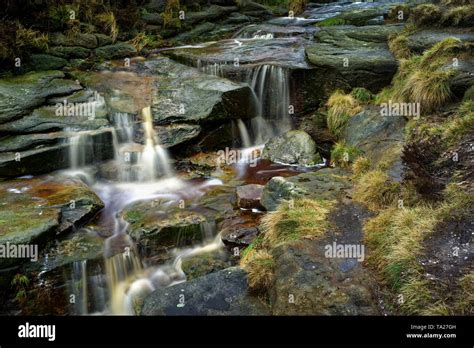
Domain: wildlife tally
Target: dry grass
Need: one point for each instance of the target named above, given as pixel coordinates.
(425, 15)
(341, 107)
(461, 16)
(259, 268)
(361, 166)
(465, 298)
(304, 218)
(398, 45)
(108, 22)
(376, 190)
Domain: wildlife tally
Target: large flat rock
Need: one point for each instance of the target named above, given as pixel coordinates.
(19, 95)
(34, 210)
(358, 56)
(220, 293)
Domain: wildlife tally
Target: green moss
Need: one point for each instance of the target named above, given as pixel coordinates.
(331, 21)
(362, 95)
(344, 155)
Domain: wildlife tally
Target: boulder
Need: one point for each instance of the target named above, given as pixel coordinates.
(358, 56)
(175, 134)
(293, 147)
(209, 14)
(156, 225)
(381, 138)
(69, 52)
(39, 62)
(248, 196)
(152, 18)
(426, 38)
(196, 33)
(327, 183)
(21, 94)
(309, 283)
(203, 264)
(82, 40)
(220, 293)
(115, 51)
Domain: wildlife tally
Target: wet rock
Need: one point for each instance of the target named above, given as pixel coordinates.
(425, 39)
(327, 183)
(220, 293)
(152, 18)
(103, 40)
(203, 264)
(69, 52)
(21, 94)
(195, 33)
(381, 138)
(33, 211)
(237, 18)
(118, 50)
(82, 40)
(44, 153)
(308, 283)
(293, 147)
(248, 196)
(45, 119)
(359, 56)
(209, 14)
(176, 134)
(40, 62)
(240, 237)
(162, 224)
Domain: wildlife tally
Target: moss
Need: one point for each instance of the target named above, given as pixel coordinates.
(171, 14)
(341, 107)
(344, 155)
(331, 21)
(362, 95)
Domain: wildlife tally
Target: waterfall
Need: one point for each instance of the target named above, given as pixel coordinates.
(81, 149)
(154, 159)
(270, 84)
(244, 134)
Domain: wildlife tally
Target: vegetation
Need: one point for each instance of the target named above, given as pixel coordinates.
(362, 95)
(425, 79)
(109, 24)
(376, 190)
(171, 14)
(399, 47)
(361, 166)
(259, 268)
(296, 6)
(341, 107)
(331, 21)
(344, 155)
(399, 13)
(20, 283)
(425, 15)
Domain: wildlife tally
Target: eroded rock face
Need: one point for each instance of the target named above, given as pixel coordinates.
(35, 210)
(358, 55)
(19, 95)
(203, 297)
(293, 147)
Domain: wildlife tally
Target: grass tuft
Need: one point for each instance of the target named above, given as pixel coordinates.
(341, 107)
(259, 268)
(376, 190)
(344, 155)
